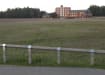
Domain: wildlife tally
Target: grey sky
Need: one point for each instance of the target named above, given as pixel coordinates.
(49, 5)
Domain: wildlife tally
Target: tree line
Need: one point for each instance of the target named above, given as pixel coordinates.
(22, 13)
(97, 10)
(26, 12)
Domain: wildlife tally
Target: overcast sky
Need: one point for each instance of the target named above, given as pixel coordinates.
(49, 5)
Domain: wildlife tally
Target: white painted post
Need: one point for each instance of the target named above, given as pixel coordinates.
(4, 53)
(58, 55)
(29, 54)
(92, 58)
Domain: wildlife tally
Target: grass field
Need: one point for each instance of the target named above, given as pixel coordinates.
(73, 33)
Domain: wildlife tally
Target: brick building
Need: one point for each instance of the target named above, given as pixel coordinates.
(63, 11)
(66, 12)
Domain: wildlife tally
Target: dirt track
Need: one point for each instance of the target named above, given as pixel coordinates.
(17, 70)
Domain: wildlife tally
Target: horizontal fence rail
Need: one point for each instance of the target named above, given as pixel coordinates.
(58, 49)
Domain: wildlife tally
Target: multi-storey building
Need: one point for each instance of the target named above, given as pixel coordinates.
(63, 11)
(66, 12)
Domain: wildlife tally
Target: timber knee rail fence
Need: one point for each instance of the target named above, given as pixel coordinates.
(58, 50)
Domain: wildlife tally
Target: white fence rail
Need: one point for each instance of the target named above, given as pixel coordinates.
(58, 49)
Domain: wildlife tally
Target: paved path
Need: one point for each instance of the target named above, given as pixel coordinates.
(17, 70)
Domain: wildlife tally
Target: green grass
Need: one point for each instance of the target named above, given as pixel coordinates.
(72, 33)
(77, 34)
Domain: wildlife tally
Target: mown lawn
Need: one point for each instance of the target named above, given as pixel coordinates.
(72, 33)
(80, 33)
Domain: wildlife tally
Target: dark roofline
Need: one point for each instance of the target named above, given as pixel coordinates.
(87, 11)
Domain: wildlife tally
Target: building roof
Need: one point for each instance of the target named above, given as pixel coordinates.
(86, 11)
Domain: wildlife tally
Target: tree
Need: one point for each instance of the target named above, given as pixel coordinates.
(42, 13)
(2, 15)
(95, 10)
(21, 13)
(103, 10)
